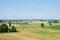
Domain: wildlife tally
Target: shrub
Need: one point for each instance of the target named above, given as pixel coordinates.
(30, 21)
(26, 23)
(0, 21)
(42, 24)
(50, 23)
(9, 24)
(3, 28)
(12, 29)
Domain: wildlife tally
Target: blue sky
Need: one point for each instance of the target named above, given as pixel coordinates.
(29, 9)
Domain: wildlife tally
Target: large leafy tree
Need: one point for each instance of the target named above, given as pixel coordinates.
(3, 28)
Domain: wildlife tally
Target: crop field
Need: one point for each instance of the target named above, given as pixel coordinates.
(33, 32)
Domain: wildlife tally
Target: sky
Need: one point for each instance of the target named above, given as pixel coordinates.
(29, 9)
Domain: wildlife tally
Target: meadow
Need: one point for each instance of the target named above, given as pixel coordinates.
(33, 31)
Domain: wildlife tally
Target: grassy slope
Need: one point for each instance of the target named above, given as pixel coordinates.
(33, 32)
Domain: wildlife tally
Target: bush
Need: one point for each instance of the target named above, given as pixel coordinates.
(0, 21)
(50, 23)
(9, 24)
(26, 23)
(3, 28)
(42, 24)
(12, 29)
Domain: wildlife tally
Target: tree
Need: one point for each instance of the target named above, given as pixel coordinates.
(0, 21)
(42, 24)
(50, 23)
(26, 23)
(3, 28)
(12, 29)
(9, 24)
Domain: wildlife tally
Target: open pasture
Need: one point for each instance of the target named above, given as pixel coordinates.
(33, 32)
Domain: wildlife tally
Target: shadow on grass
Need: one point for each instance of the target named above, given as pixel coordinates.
(8, 32)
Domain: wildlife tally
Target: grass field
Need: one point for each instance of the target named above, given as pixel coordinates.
(33, 32)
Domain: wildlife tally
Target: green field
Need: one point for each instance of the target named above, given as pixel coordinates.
(33, 32)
